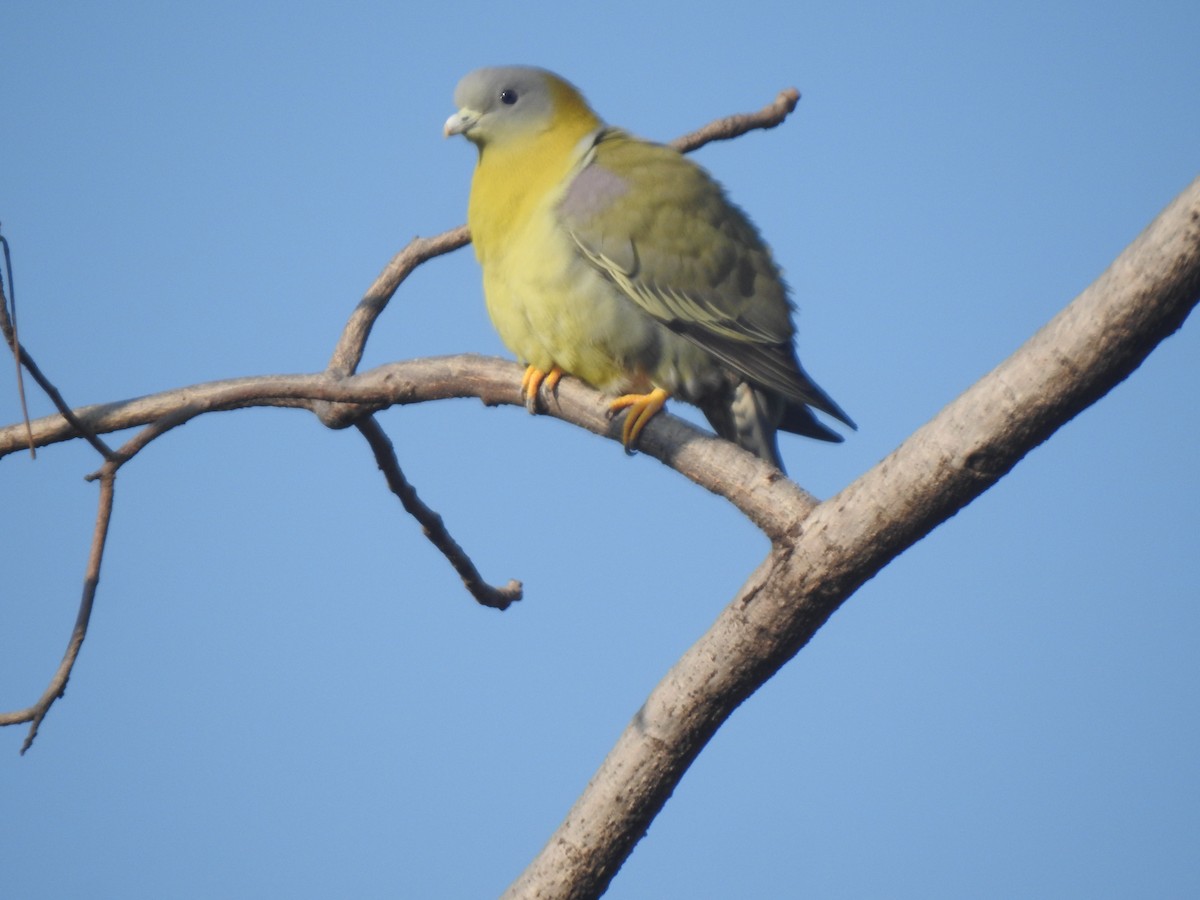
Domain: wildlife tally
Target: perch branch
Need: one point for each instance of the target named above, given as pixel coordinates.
(770, 500)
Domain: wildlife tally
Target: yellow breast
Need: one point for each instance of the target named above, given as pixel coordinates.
(544, 300)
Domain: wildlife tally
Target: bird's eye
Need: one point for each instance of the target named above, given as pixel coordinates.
(508, 96)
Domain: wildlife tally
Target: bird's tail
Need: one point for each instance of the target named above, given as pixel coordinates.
(750, 417)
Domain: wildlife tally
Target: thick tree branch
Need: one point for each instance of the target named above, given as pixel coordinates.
(1085, 351)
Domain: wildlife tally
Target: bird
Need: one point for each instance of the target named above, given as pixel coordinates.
(623, 263)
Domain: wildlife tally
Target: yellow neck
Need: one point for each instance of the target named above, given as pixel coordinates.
(513, 178)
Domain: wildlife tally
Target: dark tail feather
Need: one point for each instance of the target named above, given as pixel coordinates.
(747, 417)
(750, 416)
(799, 419)
(803, 418)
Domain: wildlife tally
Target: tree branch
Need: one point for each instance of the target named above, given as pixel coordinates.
(736, 125)
(759, 490)
(58, 683)
(348, 352)
(431, 522)
(8, 327)
(107, 476)
(1090, 347)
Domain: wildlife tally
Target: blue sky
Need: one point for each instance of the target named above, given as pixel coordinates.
(286, 692)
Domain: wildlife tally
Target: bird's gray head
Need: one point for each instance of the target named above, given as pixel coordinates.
(503, 102)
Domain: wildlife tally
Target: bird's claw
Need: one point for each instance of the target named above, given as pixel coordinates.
(642, 408)
(533, 380)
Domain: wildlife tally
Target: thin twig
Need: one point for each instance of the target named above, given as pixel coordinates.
(736, 125)
(24, 359)
(58, 684)
(431, 523)
(13, 336)
(348, 353)
(107, 476)
(156, 429)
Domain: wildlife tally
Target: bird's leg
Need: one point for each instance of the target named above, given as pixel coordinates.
(532, 381)
(642, 408)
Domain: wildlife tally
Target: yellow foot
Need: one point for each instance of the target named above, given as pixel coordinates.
(642, 408)
(533, 379)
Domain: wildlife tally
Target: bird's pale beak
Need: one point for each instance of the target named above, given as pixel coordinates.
(460, 122)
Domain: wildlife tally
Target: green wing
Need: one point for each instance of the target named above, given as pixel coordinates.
(662, 230)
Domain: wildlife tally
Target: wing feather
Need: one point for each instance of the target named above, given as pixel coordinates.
(662, 230)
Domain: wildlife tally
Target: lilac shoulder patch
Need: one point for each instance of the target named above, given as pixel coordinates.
(593, 189)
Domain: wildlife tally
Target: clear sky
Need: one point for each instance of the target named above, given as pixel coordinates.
(286, 691)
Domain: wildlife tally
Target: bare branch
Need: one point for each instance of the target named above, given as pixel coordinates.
(735, 126)
(769, 499)
(1102, 336)
(9, 328)
(431, 523)
(348, 353)
(8, 325)
(107, 476)
(58, 683)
